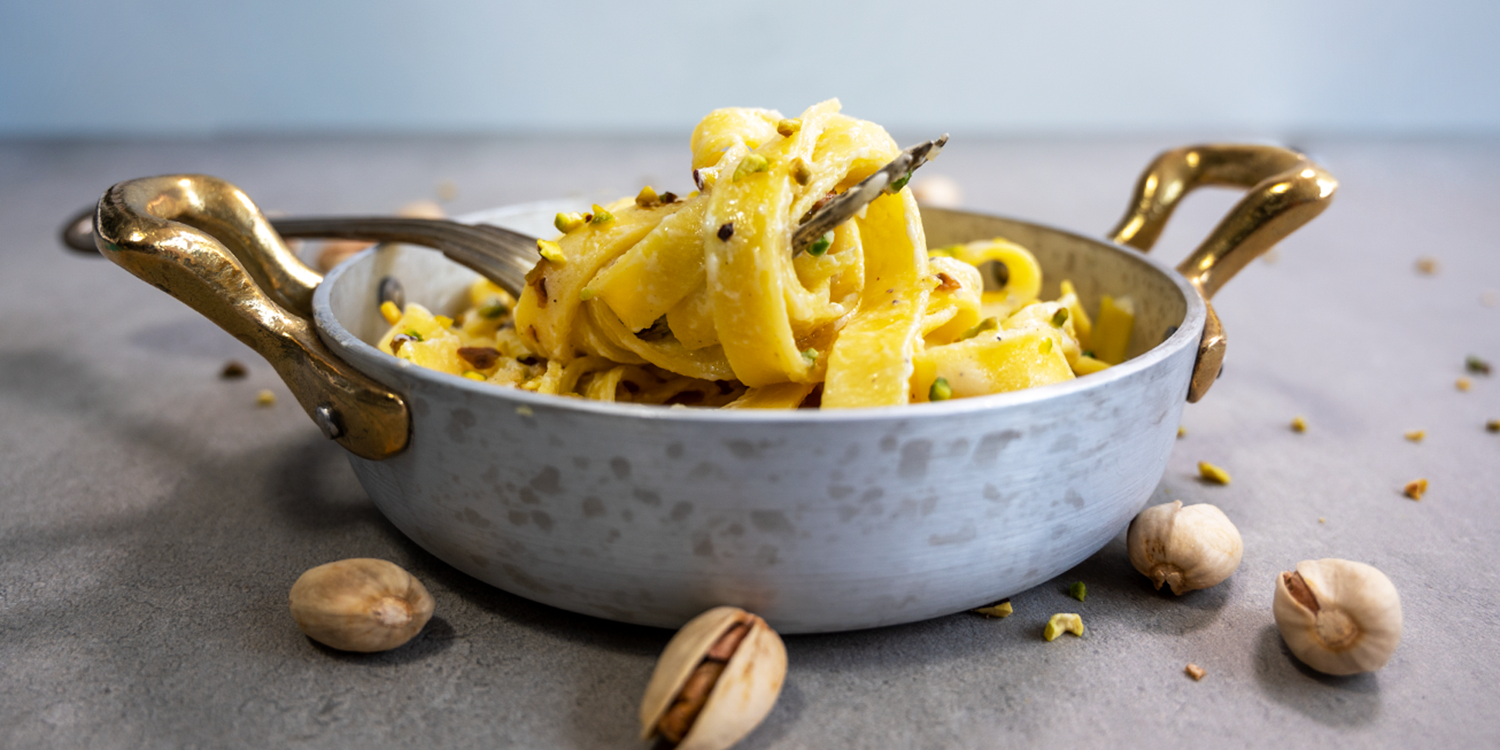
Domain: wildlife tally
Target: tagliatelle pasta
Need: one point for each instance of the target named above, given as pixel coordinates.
(699, 300)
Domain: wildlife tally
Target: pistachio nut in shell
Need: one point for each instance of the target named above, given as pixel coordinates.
(360, 604)
(717, 679)
(1338, 616)
(1187, 548)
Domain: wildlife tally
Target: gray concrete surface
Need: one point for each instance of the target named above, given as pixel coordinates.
(152, 518)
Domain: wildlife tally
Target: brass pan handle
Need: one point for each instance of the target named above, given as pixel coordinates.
(1285, 191)
(202, 240)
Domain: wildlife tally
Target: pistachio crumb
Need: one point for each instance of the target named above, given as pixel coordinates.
(524, 411)
(750, 165)
(1181, 431)
(233, 369)
(600, 216)
(1194, 671)
(1427, 265)
(1322, 520)
(568, 221)
(1476, 365)
(1045, 347)
(1063, 622)
(390, 312)
(788, 127)
(1001, 608)
(585, 294)
(265, 398)
(1493, 425)
(1463, 384)
(1415, 489)
(810, 355)
(988, 324)
(1416, 435)
(1078, 591)
(1060, 317)
(940, 390)
(493, 310)
(647, 198)
(551, 251)
(820, 245)
(1211, 473)
(801, 172)
(1299, 424)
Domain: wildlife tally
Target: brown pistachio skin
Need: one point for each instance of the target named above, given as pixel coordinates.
(360, 604)
(711, 704)
(1338, 616)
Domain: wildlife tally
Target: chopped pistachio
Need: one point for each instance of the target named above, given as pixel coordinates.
(788, 127)
(1194, 671)
(988, 324)
(801, 172)
(1063, 622)
(1427, 265)
(585, 294)
(567, 222)
(895, 187)
(1416, 435)
(493, 310)
(1493, 425)
(233, 369)
(647, 197)
(551, 251)
(1476, 365)
(820, 245)
(524, 410)
(1299, 424)
(940, 390)
(390, 312)
(1078, 591)
(265, 398)
(1211, 473)
(1463, 384)
(811, 355)
(1088, 353)
(1181, 431)
(600, 216)
(1045, 347)
(474, 375)
(750, 165)
(1060, 317)
(412, 334)
(1001, 608)
(1415, 489)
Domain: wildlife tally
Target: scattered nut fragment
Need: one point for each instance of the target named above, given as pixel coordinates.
(717, 679)
(1181, 432)
(1489, 298)
(1339, 617)
(937, 191)
(1063, 622)
(1078, 591)
(1427, 265)
(1476, 365)
(1001, 608)
(233, 370)
(1493, 425)
(265, 398)
(1194, 671)
(1415, 489)
(1187, 548)
(552, 251)
(1299, 424)
(1211, 473)
(647, 198)
(361, 604)
(788, 127)
(1415, 435)
(1463, 384)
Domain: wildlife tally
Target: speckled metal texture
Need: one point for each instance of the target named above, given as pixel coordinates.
(818, 521)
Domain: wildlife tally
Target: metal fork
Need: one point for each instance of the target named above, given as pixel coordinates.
(504, 256)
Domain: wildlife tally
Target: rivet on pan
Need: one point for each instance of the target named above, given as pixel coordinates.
(328, 421)
(390, 291)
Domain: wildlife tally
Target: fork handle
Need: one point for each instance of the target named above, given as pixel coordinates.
(501, 255)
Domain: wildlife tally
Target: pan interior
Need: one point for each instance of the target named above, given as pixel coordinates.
(1095, 267)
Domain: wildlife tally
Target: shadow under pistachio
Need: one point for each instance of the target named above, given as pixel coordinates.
(437, 636)
(1334, 701)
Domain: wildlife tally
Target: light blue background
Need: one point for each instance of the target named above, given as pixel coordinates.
(1277, 68)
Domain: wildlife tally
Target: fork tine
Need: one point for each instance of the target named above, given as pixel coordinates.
(844, 207)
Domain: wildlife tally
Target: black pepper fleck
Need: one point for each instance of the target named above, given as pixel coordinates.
(726, 231)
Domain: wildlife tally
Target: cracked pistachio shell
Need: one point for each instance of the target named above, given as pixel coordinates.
(1355, 624)
(1187, 548)
(360, 604)
(743, 695)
